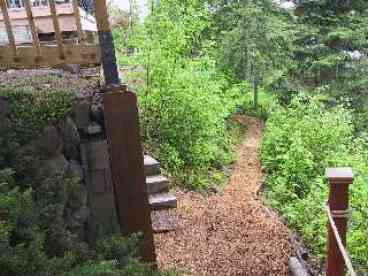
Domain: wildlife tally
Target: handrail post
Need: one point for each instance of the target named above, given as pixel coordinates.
(339, 180)
(111, 71)
(126, 151)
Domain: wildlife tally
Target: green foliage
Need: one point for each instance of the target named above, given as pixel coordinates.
(29, 247)
(330, 52)
(190, 115)
(116, 257)
(299, 143)
(266, 103)
(185, 101)
(31, 111)
(40, 230)
(259, 45)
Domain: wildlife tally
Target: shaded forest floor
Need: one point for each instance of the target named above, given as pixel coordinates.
(230, 233)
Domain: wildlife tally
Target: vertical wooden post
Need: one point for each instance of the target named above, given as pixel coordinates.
(339, 180)
(110, 67)
(58, 34)
(78, 22)
(31, 22)
(126, 153)
(9, 31)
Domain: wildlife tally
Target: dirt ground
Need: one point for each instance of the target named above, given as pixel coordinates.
(230, 233)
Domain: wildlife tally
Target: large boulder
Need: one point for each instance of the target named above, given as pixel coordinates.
(76, 169)
(4, 121)
(54, 166)
(82, 110)
(50, 142)
(71, 139)
(3, 108)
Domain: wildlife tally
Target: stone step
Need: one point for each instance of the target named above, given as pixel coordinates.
(157, 184)
(163, 221)
(151, 166)
(162, 201)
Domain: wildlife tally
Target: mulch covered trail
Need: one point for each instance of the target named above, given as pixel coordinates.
(231, 233)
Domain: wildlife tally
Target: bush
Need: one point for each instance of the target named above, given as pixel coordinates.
(187, 120)
(185, 101)
(266, 102)
(31, 111)
(299, 143)
(39, 232)
(26, 250)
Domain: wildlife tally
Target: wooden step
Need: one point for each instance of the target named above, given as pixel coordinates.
(162, 201)
(151, 166)
(157, 184)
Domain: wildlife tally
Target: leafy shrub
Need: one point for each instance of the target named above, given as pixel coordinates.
(266, 103)
(185, 101)
(39, 234)
(30, 111)
(187, 119)
(26, 248)
(298, 144)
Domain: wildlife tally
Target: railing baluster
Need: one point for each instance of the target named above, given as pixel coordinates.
(78, 22)
(35, 40)
(58, 36)
(8, 27)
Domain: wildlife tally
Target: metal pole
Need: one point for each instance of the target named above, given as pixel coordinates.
(339, 180)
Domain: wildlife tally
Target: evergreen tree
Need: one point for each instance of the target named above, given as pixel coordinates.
(331, 51)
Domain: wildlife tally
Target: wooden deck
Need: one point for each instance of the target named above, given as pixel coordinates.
(23, 29)
(43, 22)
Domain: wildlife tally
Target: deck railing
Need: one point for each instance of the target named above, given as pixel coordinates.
(13, 55)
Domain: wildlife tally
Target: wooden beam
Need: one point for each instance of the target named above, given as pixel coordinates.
(58, 36)
(9, 30)
(126, 155)
(35, 40)
(108, 58)
(83, 55)
(78, 22)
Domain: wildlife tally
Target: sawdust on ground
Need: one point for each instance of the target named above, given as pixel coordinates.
(230, 233)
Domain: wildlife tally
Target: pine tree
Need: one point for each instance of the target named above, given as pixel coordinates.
(331, 51)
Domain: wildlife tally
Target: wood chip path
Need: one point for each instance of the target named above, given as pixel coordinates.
(231, 233)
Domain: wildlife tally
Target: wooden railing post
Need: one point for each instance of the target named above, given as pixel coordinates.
(339, 180)
(126, 152)
(126, 156)
(111, 71)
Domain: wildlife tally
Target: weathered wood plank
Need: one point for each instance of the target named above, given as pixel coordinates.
(32, 25)
(58, 36)
(111, 72)
(78, 22)
(8, 27)
(83, 55)
(126, 155)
